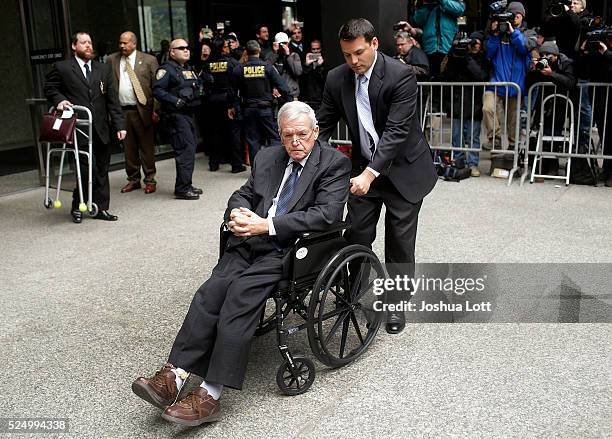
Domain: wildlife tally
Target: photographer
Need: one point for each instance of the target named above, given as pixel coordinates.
(467, 62)
(313, 76)
(438, 19)
(409, 54)
(552, 66)
(510, 57)
(287, 63)
(567, 22)
(598, 58)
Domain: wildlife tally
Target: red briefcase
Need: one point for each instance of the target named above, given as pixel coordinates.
(54, 129)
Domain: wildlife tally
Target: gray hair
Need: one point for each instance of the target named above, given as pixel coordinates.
(403, 34)
(294, 109)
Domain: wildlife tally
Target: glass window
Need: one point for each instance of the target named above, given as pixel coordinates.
(159, 21)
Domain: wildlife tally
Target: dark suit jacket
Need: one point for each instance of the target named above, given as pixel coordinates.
(67, 82)
(145, 68)
(317, 202)
(402, 153)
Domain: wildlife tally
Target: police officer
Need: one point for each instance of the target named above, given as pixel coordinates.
(178, 87)
(255, 80)
(225, 135)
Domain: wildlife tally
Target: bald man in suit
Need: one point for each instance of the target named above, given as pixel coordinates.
(137, 103)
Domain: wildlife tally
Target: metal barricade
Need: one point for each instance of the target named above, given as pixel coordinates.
(451, 119)
(592, 119)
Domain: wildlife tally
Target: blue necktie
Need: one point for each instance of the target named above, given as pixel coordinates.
(364, 113)
(287, 190)
(87, 73)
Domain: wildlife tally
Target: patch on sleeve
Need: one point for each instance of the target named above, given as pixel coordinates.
(160, 74)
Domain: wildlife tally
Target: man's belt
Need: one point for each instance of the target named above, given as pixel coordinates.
(129, 107)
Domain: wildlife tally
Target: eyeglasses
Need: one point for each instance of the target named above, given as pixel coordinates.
(302, 135)
(296, 32)
(180, 48)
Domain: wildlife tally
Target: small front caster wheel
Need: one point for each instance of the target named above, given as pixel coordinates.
(296, 381)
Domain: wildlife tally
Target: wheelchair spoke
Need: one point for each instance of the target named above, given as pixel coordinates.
(333, 313)
(356, 325)
(336, 326)
(345, 327)
(358, 279)
(335, 292)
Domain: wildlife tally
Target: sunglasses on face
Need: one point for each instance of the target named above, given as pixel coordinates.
(181, 48)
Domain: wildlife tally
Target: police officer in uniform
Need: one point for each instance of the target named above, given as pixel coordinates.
(178, 87)
(255, 80)
(225, 135)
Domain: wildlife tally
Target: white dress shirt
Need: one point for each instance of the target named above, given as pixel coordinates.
(127, 96)
(272, 210)
(82, 63)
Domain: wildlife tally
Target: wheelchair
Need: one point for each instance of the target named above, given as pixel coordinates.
(329, 288)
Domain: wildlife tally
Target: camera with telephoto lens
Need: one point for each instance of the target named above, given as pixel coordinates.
(593, 38)
(557, 7)
(542, 63)
(504, 20)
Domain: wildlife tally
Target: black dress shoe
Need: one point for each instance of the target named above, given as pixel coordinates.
(238, 169)
(197, 190)
(104, 215)
(189, 195)
(396, 322)
(213, 167)
(77, 217)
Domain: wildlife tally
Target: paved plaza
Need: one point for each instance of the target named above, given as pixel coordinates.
(87, 308)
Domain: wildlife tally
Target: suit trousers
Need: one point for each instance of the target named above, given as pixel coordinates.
(215, 338)
(401, 219)
(100, 191)
(183, 141)
(139, 148)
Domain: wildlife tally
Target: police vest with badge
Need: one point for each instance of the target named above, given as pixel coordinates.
(223, 87)
(178, 88)
(256, 79)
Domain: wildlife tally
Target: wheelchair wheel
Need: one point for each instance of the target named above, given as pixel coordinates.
(297, 381)
(341, 320)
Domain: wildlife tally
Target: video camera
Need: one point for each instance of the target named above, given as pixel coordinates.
(557, 7)
(461, 45)
(451, 170)
(596, 36)
(504, 19)
(498, 6)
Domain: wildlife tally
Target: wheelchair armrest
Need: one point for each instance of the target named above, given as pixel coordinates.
(334, 228)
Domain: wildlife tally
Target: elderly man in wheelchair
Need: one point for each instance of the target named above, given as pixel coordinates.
(281, 240)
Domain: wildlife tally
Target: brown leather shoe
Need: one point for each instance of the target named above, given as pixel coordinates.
(130, 186)
(150, 188)
(194, 409)
(160, 390)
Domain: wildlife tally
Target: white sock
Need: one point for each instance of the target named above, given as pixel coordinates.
(179, 381)
(213, 389)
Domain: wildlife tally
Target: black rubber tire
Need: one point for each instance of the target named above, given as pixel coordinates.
(291, 385)
(336, 275)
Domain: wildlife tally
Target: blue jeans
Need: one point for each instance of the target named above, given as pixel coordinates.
(469, 140)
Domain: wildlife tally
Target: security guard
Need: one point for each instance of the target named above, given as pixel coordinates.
(256, 79)
(225, 135)
(177, 87)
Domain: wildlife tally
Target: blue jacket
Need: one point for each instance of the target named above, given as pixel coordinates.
(439, 24)
(510, 60)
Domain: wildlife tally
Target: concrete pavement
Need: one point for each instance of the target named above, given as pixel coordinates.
(87, 308)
